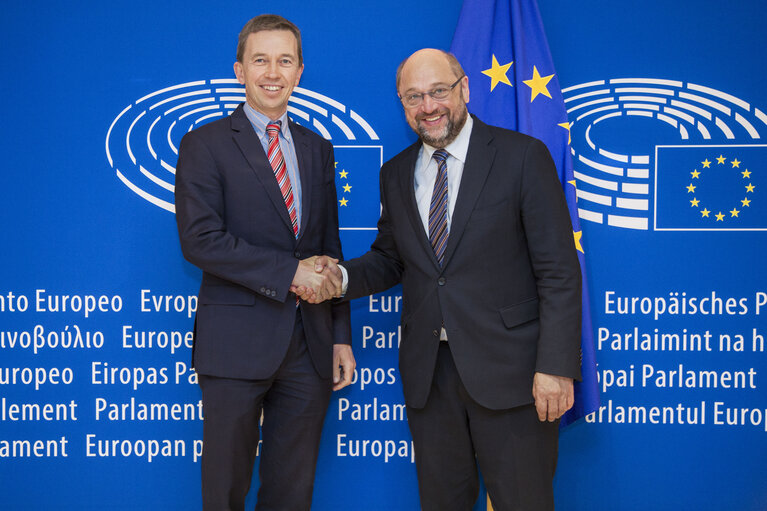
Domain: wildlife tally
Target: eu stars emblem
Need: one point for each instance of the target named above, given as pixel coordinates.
(356, 170)
(711, 188)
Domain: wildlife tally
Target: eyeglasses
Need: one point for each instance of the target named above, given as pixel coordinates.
(414, 99)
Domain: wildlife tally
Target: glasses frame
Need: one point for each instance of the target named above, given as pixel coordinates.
(430, 93)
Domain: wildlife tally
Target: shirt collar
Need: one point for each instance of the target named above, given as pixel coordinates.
(260, 121)
(458, 147)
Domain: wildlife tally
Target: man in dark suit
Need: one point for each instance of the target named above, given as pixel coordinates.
(255, 199)
(475, 226)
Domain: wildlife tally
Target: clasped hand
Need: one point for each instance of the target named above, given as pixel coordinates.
(318, 278)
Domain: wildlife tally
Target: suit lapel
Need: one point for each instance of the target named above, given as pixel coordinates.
(304, 157)
(407, 185)
(246, 139)
(479, 160)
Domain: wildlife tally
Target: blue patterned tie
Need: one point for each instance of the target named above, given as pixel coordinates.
(438, 210)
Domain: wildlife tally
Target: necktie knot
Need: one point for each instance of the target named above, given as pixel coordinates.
(273, 128)
(440, 155)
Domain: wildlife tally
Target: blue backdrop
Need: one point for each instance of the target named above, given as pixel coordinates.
(98, 405)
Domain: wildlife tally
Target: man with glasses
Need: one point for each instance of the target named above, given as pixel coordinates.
(475, 226)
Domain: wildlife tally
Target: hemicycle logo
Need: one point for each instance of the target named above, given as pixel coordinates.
(142, 141)
(662, 154)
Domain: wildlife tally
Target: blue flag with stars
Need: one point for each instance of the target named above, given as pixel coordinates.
(710, 188)
(502, 47)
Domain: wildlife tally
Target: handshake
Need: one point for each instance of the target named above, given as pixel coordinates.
(318, 278)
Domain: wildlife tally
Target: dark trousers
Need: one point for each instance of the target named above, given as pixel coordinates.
(516, 453)
(294, 401)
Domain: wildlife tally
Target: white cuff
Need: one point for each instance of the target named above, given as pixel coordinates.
(345, 284)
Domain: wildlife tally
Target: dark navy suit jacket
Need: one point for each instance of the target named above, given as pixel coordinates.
(233, 224)
(509, 290)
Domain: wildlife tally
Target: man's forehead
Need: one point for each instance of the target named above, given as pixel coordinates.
(426, 77)
(264, 40)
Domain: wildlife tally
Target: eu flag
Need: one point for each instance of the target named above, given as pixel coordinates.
(356, 168)
(710, 188)
(502, 47)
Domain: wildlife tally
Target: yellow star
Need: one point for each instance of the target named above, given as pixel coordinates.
(343, 174)
(691, 189)
(566, 125)
(705, 212)
(719, 217)
(344, 201)
(721, 160)
(336, 165)
(347, 188)
(734, 212)
(746, 203)
(706, 164)
(750, 188)
(573, 183)
(746, 174)
(497, 74)
(694, 202)
(695, 174)
(578, 235)
(538, 84)
(735, 163)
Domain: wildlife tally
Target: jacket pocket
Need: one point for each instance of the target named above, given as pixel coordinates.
(520, 313)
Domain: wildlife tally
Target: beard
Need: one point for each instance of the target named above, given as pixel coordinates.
(445, 135)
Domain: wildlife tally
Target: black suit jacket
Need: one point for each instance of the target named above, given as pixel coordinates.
(233, 224)
(509, 291)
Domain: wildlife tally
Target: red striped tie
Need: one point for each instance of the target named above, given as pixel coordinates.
(277, 160)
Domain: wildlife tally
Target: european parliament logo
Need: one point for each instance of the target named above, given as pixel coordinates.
(667, 155)
(142, 142)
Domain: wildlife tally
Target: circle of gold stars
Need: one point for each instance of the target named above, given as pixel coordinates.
(734, 212)
(344, 174)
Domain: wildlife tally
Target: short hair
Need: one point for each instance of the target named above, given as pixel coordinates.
(452, 61)
(268, 22)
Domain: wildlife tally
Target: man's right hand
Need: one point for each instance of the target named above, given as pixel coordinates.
(317, 279)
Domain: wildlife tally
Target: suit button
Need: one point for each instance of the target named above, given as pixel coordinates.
(297, 254)
(441, 281)
(274, 293)
(436, 334)
(262, 290)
